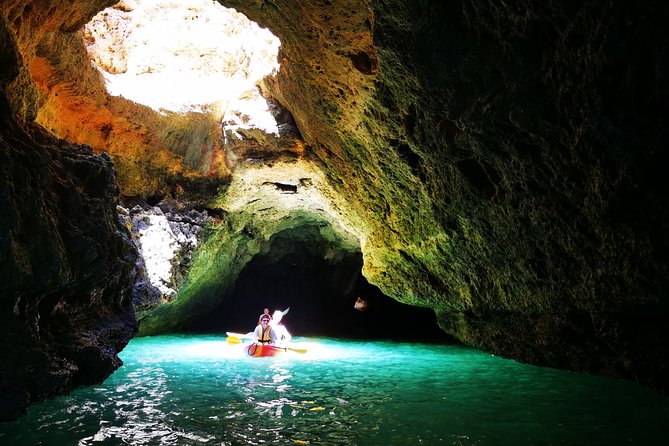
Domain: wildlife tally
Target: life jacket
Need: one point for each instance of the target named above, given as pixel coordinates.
(264, 337)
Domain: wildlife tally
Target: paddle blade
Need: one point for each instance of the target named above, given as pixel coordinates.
(239, 335)
(233, 340)
(297, 350)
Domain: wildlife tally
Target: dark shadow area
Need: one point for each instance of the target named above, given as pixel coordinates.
(299, 272)
(383, 318)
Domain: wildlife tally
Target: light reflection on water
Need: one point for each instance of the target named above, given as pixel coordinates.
(181, 390)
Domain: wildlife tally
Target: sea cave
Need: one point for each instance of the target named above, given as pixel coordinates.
(479, 173)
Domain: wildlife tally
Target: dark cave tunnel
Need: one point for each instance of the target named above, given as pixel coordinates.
(302, 272)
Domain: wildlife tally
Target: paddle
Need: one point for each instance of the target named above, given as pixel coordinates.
(239, 335)
(292, 349)
(296, 350)
(236, 340)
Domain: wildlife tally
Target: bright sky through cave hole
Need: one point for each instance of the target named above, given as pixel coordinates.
(185, 55)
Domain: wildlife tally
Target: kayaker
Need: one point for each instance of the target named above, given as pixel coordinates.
(282, 333)
(265, 312)
(264, 333)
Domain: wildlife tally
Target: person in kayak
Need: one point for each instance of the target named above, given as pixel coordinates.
(264, 333)
(282, 333)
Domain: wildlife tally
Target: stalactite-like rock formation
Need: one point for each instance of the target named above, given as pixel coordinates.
(500, 164)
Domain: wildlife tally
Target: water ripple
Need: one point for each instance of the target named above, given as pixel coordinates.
(178, 390)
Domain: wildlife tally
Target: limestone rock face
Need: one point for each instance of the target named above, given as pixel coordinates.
(165, 243)
(58, 87)
(66, 262)
(273, 211)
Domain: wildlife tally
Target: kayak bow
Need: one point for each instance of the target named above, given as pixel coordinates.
(259, 350)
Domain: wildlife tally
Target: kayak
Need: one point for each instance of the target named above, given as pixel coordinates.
(259, 350)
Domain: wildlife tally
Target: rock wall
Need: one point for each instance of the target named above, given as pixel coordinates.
(65, 280)
(165, 242)
(273, 209)
(503, 163)
(58, 87)
(66, 262)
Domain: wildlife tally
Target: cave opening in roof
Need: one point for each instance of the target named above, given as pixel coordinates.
(185, 56)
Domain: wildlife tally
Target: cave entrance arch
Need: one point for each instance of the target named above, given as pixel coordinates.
(286, 240)
(320, 281)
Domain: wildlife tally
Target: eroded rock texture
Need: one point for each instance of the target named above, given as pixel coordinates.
(66, 261)
(165, 242)
(59, 87)
(498, 163)
(503, 161)
(66, 264)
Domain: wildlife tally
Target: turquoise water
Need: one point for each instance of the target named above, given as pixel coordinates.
(192, 390)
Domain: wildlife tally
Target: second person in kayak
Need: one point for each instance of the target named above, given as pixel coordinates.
(282, 334)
